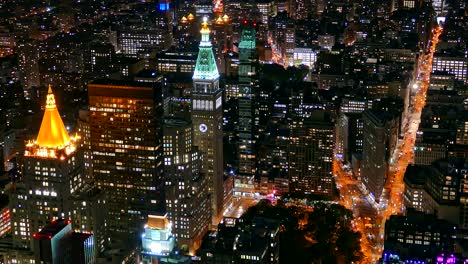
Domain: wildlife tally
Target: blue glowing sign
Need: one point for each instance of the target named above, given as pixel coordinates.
(163, 6)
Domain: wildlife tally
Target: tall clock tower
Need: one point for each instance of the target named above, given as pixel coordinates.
(207, 119)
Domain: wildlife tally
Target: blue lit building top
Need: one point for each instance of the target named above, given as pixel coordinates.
(157, 239)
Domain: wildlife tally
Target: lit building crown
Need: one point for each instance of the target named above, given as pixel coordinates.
(247, 39)
(52, 134)
(205, 29)
(157, 238)
(205, 68)
(190, 17)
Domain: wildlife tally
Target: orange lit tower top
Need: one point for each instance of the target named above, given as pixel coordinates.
(52, 136)
(190, 17)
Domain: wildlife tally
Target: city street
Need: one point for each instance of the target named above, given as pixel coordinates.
(369, 217)
(240, 205)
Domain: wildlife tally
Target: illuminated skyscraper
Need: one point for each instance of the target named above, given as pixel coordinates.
(52, 171)
(207, 119)
(187, 201)
(380, 135)
(247, 70)
(126, 149)
(457, 66)
(310, 154)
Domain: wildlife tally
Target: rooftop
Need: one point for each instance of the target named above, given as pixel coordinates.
(52, 229)
(416, 174)
(52, 140)
(81, 236)
(157, 222)
(122, 83)
(52, 133)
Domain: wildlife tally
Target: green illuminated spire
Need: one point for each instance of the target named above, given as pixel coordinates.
(206, 68)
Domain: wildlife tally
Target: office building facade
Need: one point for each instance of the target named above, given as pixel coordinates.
(187, 200)
(126, 143)
(310, 152)
(381, 135)
(247, 71)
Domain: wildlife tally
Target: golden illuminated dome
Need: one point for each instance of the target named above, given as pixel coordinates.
(219, 20)
(225, 18)
(184, 19)
(190, 17)
(205, 29)
(52, 133)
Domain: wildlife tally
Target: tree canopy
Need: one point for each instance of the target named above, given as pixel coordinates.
(322, 235)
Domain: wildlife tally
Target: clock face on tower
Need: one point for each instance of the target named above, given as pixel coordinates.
(203, 128)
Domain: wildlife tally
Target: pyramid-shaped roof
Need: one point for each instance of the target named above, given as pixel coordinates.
(52, 133)
(205, 68)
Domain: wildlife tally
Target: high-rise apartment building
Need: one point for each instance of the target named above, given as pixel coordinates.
(132, 42)
(89, 215)
(417, 236)
(288, 45)
(438, 188)
(457, 66)
(427, 152)
(354, 105)
(348, 135)
(267, 8)
(52, 171)
(311, 153)
(97, 57)
(247, 71)
(222, 40)
(126, 143)
(57, 243)
(187, 201)
(414, 180)
(83, 130)
(173, 60)
(380, 132)
(207, 119)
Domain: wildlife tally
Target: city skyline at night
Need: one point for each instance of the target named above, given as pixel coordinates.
(211, 131)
